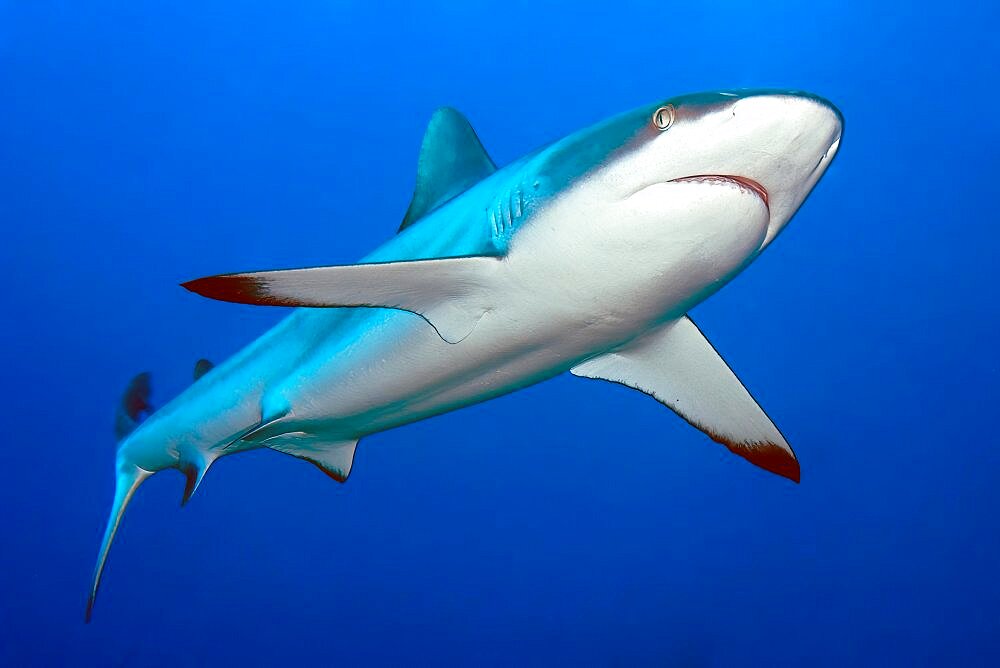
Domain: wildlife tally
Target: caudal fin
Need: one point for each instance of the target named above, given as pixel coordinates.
(128, 480)
(135, 402)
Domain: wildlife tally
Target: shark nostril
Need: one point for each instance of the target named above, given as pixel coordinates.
(828, 153)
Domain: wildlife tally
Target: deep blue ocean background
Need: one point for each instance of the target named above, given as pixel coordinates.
(574, 523)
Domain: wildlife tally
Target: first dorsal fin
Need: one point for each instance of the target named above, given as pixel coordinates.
(452, 159)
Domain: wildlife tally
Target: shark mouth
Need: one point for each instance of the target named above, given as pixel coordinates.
(742, 182)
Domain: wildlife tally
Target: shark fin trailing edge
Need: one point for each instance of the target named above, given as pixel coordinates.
(127, 481)
(452, 160)
(677, 366)
(449, 293)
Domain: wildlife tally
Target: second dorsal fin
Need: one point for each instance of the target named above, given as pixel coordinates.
(452, 159)
(201, 367)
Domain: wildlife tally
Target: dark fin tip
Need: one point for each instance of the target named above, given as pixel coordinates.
(188, 493)
(191, 475)
(771, 457)
(768, 456)
(235, 288)
(336, 476)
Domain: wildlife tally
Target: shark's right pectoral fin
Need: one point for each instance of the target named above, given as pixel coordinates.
(452, 294)
(676, 365)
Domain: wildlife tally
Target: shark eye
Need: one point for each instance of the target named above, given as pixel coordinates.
(663, 117)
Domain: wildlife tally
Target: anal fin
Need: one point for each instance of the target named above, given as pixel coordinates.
(676, 365)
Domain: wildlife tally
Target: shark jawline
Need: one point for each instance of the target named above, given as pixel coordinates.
(741, 181)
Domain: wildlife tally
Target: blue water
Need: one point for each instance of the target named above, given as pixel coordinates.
(143, 144)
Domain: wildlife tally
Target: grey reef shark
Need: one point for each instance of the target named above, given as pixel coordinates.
(583, 256)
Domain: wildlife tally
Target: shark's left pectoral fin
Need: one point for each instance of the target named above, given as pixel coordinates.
(452, 294)
(676, 365)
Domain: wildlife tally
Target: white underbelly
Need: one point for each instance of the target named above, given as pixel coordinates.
(393, 368)
(571, 288)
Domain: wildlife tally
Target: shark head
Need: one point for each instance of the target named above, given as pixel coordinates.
(692, 188)
(774, 145)
(778, 143)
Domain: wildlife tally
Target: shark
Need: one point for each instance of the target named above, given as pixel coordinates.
(584, 256)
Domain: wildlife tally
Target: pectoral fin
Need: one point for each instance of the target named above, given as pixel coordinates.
(677, 366)
(452, 294)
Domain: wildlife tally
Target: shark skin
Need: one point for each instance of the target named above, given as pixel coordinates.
(584, 256)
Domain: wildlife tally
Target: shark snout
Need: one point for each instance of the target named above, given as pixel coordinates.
(824, 125)
(790, 138)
